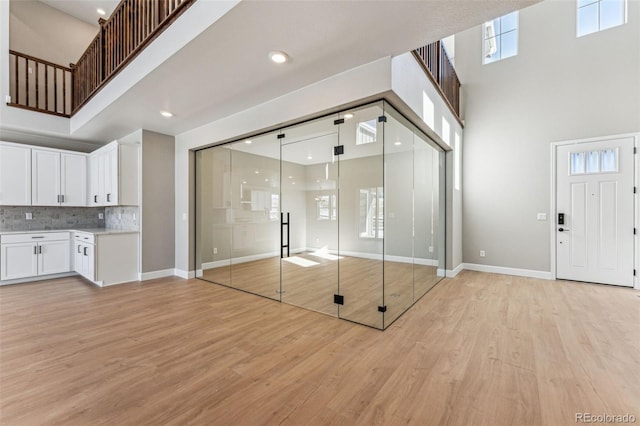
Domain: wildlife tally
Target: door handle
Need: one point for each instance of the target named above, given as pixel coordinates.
(282, 225)
(563, 230)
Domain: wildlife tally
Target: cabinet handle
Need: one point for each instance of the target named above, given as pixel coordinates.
(39, 249)
(58, 198)
(78, 248)
(35, 249)
(108, 198)
(85, 251)
(95, 199)
(62, 198)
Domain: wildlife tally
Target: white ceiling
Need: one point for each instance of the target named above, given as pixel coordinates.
(226, 70)
(85, 10)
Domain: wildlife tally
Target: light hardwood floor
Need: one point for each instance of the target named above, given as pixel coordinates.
(480, 349)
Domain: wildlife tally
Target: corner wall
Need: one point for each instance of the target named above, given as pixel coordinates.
(557, 88)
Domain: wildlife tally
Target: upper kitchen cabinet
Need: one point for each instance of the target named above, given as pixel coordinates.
(113, 175)
(58, 178)
(15, 174)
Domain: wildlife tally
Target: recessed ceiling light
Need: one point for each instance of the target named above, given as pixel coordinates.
(257, 172)
(166, 114)
(397, 143)
(293, 183)
(318, 180)
(244, 181)
(101, 12)
(348, 116)
(290, 177)
(266, 180)
(278, 57)
(248, 142)
(309, 157)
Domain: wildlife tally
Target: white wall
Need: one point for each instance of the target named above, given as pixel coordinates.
(558, 87)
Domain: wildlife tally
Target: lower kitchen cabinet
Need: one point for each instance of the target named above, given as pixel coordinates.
(32, 255)
(106, 258)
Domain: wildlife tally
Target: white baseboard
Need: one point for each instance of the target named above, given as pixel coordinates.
(184, 274)
(156, 274)
(543, 275)
(451, 273)
(37, 278)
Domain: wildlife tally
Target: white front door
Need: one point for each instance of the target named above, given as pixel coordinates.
(595, 211)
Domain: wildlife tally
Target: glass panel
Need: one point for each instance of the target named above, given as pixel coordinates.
(398, 216)
(361, 209)
(582, 3)
(611, 13)
(577, 163)
(509, 44)
(309, 198)
(213, 215)
(509, 22)
(609, 158)
(587, 19)
(427, 240)
(492, 50)
(593, 162)
(255, 207)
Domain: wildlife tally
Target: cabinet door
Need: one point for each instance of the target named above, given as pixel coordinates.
(15, 175)
(111, 176)
(94, 180)
(18, 260)
(53, 257)
(73, 179)
(88, 261)
(45, 178)
(78, 258)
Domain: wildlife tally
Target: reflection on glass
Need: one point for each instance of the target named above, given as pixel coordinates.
(255, 216)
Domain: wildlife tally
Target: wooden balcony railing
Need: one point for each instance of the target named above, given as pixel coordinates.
(435, 62)
(131, 26)
(39, 85)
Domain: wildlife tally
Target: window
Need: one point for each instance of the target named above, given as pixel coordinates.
(500, 38)
(366, 132)
(326, 207)
(371, 223)
(598, 15)
(589, 162)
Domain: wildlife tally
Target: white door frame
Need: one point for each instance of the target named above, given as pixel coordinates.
(636, 216)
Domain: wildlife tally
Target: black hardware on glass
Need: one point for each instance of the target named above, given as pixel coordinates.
(382, 308)
(338, 150)
(382, 119)
(338, 299)
(282, 225)
(339, 121)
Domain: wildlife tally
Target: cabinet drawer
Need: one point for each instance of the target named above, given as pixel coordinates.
(25, 238)
(84, 237)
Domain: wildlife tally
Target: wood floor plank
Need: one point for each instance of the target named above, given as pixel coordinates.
(480, 349)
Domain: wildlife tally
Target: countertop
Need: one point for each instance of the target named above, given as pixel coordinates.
(94, 231)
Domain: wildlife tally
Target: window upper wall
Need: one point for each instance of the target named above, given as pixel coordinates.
(597, 15)
(500, 38)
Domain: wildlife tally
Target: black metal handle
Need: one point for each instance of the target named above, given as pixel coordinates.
(79, 248)
(95, 199)
(62, 198)
(108, 198)
(563, 230)
(39, 249)
(85, 251)
(35, 249)
(282, 225)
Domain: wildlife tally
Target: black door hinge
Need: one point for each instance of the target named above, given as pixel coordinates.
(635, 150)
(382, 119)
(338, 299)
(338, 121)
(634, 231)
(634, 272)
(338, 150)
(382, 308)
(281, 136)
(635, 189)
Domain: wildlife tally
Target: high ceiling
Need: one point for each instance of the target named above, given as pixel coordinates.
(85, 10)
(226, 70)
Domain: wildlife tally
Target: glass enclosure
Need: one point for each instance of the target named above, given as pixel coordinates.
(343, 215)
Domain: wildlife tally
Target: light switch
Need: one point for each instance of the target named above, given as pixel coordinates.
(542, 216)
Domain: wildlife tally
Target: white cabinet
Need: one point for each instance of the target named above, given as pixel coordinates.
(29, 255)
(113, 175)
(15, 174)
(106, 259)
(58, 178)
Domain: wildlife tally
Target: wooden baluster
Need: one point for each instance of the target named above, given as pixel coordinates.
(37, 86)
(46, 88)
(26, 73)
(17, 100)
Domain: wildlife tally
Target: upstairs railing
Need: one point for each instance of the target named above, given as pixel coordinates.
(131, 26)
(434, 60)
(39, 85)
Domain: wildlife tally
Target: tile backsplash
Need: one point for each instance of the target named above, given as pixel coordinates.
(13, 218)
(126, 218)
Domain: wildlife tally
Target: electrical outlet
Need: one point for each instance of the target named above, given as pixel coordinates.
(430, 249)
(7, 99)
(100, 216)
(28, 216)
(215, 250)
(482, 253)
(542, 216)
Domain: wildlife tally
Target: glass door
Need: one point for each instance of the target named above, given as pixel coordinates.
(309, 217)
